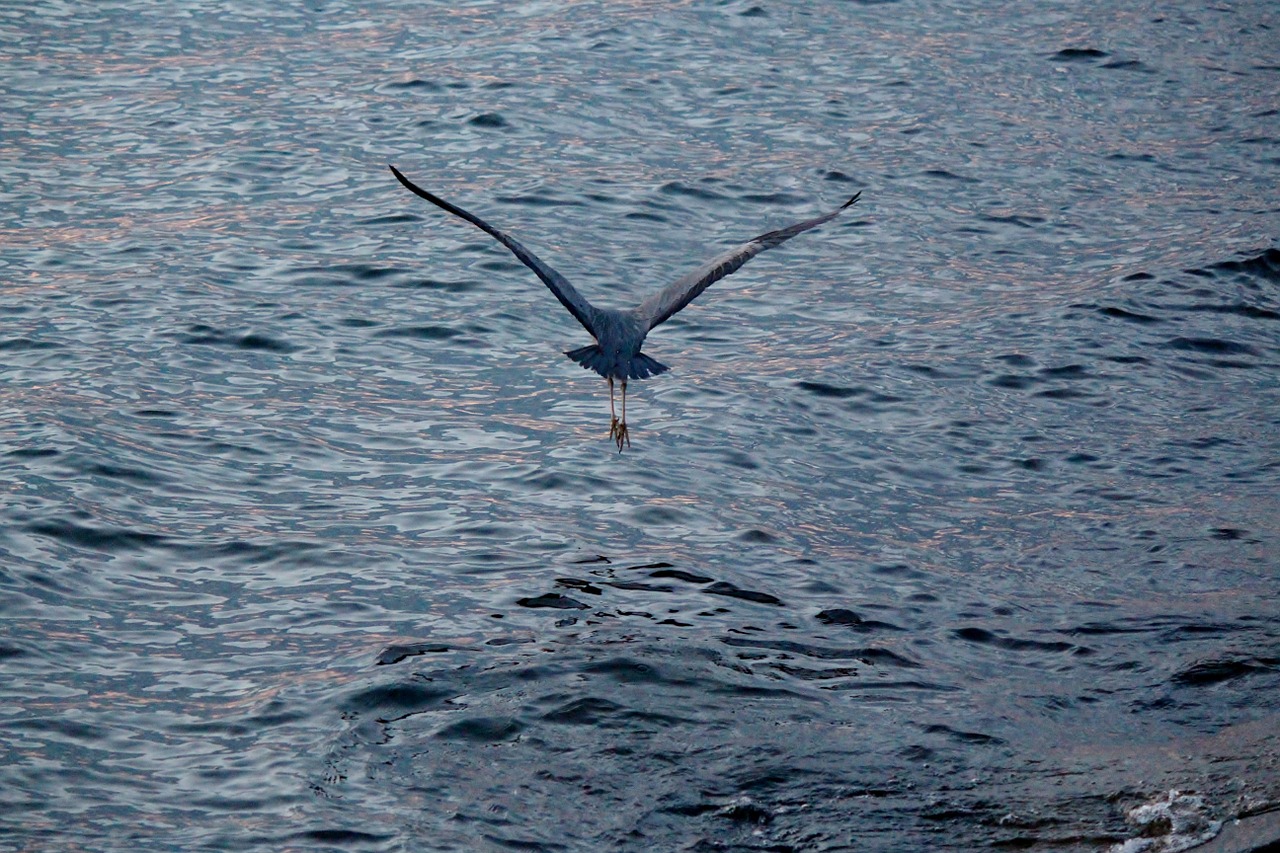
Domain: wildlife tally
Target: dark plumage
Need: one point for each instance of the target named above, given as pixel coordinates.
(619, 334)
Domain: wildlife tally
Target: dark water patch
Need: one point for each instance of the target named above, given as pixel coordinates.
(640, 585)
(627, 670)
(943, 174)
(417, 84)
(584, 711)
(677, 574)
(1205, 673)
(8, 651)
(1025, 221)
(422, 333)
(203, 335)
(1017, 359)
(822, 674)
(1015, 381)
(1210, 346)
(773, 199)
(1251, 312)
(853, 622)
(326, 277)
(554, 601)
(482, 730)
(403, 651)
(121, 472)
(658, 516)
(537, 200)
(488, 121)
(108, 539)
(345, 839)
(682, 189)
(870, 655)
(962, 736)
(256, 341)
(1067, 371)
(822, 389)
(1079, 54)
(730, 590)
(398, 700)
(988, 638)
(1128, 65)
(499, 642)
(1233, 534)
(358, 272)
(646, 216)
(1122, 314)
(1207, 442)
(1198, 630)
(582, 586)
(1067, 394)
(391, 219)
(33, 453)
(1265, 265)
(63, 729)
(838, 177)
(26, 345)
(242, 552)
(874, 401)
(438, 284)
(644, 567)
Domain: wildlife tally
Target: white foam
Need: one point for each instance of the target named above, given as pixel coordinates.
(1173, 823)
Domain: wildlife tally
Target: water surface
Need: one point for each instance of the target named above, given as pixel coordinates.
(954, 523)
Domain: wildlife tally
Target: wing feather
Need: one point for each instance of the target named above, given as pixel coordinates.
(660, 307)
(582, 310)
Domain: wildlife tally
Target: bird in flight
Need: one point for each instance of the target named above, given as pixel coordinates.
(619, 334)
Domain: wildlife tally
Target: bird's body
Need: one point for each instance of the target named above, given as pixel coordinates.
(616, 352)
(619, 334)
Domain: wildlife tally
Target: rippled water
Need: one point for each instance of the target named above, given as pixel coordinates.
(954, 524)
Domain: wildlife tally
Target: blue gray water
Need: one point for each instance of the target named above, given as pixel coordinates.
(955, 523)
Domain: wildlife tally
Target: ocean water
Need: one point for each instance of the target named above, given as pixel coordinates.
(955, 524)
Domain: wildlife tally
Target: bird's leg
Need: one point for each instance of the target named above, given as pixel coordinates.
(620, 430)
(613, 416)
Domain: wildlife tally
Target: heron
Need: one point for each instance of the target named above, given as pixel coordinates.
(619, 334)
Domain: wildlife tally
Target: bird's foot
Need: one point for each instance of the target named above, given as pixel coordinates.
(618, 432)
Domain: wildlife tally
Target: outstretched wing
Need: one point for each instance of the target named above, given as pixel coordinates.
(578, 306)
(659, 307)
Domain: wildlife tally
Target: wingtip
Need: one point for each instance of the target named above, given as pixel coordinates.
(411, 187)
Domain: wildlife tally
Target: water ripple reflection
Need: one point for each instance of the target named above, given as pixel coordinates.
(952, 527)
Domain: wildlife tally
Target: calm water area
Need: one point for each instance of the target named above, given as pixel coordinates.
(954, 526)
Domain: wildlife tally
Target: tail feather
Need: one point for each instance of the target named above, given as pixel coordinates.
(639, 366)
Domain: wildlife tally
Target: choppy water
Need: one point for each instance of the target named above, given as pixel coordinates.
(955, 523)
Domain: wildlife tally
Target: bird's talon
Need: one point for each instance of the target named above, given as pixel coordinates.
(620, 433)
